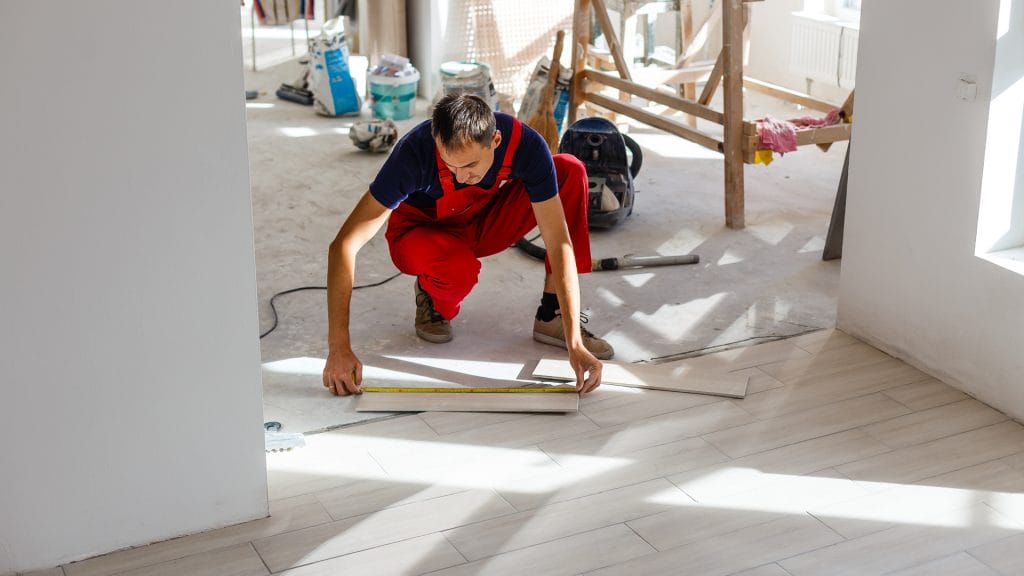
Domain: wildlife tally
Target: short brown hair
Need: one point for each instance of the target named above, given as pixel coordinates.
(460, 119)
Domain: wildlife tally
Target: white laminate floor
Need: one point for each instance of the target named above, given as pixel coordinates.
(841, 460)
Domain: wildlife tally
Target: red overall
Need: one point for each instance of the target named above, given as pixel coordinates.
(443, 249)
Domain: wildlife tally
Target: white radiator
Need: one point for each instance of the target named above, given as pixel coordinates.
(823, 49)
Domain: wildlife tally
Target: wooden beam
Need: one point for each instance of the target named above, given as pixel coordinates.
(666, 124)
(732, 52)
(655, 96)
(826, 134)
(466, 402)
(713, 81)
(788, 95)
(580, 45)
(613, 40)
(672, 377)
(696, 42)
(689, 89)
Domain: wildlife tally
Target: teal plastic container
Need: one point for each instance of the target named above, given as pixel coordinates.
(393, 97)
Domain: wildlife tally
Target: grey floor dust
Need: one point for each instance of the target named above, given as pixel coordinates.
(763, 282)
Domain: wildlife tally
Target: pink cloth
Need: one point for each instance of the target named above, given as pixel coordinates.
(780, 135)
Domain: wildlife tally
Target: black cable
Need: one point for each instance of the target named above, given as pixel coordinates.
(274, 297)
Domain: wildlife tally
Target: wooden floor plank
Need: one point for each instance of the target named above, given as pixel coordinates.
(671, 377)
(468, 402)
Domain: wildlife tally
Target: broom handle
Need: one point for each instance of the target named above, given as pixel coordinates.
(554, 70)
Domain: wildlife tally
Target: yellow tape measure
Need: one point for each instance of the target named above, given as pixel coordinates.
(393, 389)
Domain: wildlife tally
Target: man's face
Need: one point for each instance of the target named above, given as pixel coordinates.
(470, 164)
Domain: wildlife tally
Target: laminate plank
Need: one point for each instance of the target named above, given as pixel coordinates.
(501, 470)
(932, 501)
(285, 516)
(414, 556)
(746, 357)
(824, 363)
(939, 456)
(670, 377)
(756, 470)
(766, 570)
(523, 529)
(934, 423)
(805, 394)
(740, 550)
(1015, 460)
(570, 555)
(585, 476)
(799, 426)
(238, 560)
(930, 393)
(902, 547)
(452, 422)
(782, 497)
(960, 564)
(467, 402)
(462, 448)
(388, 526)
(621, 405)
(625, 439)
(1004, 556)
(759, 381)
(51, 572)
(828, 339)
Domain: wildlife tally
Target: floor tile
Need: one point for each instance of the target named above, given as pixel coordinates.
(414, 556)
(805, 394)
(766, 570)
(50, 572)
(799, 426)
(756, 470)
(384, 527)
(960, 564)
(939, 456)
(1005, 556)
(828, 339)
(747, 357)
(514, 531)
(934, 423)
(451, 422)
(501, 470)
(625, 439)
(935, 501)
(239, 560)
(581, 476)
(463, 448)
(824, 363)
(903, 546)
(285, 516)
(925, 394)
(782, 497)
(632, 404)
(733, 552)
(1015, 460)
(570, 555)
(759, 381)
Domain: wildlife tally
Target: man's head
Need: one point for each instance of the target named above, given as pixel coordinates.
(464, 130)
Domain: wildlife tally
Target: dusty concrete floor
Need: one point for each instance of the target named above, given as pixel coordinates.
(765, 281)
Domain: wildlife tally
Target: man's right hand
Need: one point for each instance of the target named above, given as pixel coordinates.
(343, 373)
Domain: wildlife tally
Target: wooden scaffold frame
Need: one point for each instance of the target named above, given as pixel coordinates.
(739, 140)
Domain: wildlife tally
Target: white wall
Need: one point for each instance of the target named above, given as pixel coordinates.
(911, 283)
(770, 31)
(130, 398)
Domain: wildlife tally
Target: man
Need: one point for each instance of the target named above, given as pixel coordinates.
(464, 185)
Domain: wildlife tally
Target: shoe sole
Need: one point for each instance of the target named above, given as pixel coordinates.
(545, 339)
(434, 338)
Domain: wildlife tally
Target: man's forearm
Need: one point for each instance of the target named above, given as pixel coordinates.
(340, 278)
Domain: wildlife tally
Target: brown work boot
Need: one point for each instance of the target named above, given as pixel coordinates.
(430, 325)
(553, 332)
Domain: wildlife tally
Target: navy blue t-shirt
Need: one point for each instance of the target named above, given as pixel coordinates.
(410, 173)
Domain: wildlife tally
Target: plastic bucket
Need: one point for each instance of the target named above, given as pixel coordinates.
(393, 96)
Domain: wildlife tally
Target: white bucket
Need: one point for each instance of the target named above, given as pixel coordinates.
(469, 77)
